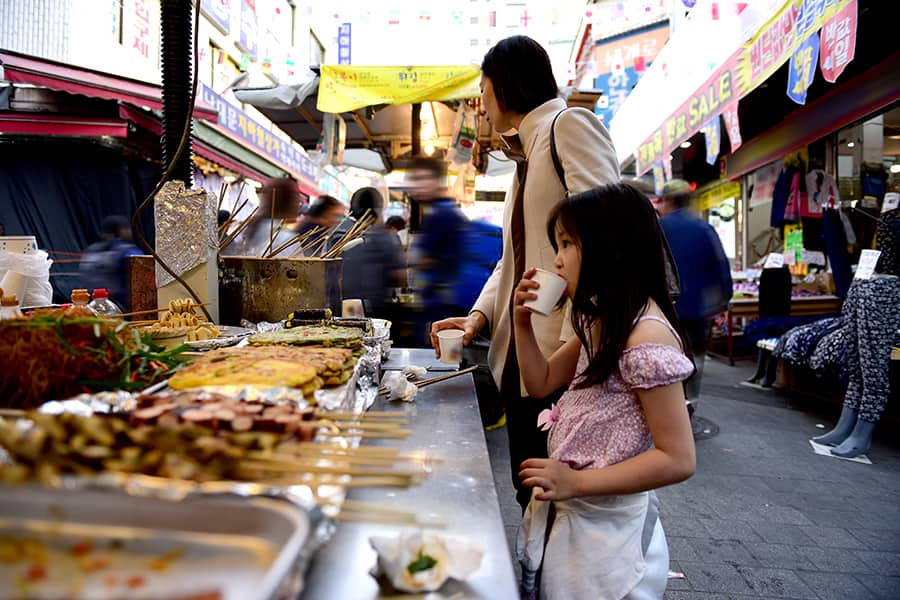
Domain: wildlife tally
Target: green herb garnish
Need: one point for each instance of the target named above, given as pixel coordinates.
(423, 562)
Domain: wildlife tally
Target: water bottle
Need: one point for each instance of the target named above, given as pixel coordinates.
(9, 307)
(102, 305)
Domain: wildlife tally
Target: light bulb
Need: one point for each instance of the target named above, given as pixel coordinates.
(895, 168)
(685, 144)
(429, 149)
(851, 144)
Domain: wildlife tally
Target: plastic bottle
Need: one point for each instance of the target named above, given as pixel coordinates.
(9, 307)
(81, 298)
(102, 305)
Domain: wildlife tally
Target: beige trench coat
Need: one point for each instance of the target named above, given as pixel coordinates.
(588, 159)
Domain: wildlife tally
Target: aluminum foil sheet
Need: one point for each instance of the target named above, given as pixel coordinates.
(86, 405)
(185, 229)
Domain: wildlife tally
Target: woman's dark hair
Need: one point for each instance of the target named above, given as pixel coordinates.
(520, 73)
(322, 205)
(622, 268)
(367, 198)
(395, 222)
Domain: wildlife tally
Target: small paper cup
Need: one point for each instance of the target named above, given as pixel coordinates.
(552, 287)
(451, 345)
(352, 308)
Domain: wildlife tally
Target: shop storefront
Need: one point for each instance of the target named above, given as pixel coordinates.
(799, 127)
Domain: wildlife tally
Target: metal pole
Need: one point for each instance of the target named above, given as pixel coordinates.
(416, 129)
(176, 21)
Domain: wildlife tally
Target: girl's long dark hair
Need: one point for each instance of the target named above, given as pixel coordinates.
(622, 268)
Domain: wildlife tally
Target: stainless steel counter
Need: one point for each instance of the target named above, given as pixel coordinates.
(460, 491)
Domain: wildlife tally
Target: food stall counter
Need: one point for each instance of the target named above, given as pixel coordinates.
(445, 423)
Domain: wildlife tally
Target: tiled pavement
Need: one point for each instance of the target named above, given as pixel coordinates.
(764, 517)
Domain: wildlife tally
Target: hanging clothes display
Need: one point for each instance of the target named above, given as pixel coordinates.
(872, 309)
(888, 230)
(798, 344)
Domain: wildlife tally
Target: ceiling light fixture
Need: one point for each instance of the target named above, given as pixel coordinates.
(851, 144)
(685, 145)
(895, 168)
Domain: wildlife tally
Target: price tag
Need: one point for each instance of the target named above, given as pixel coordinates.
(891, 201)
(867, 262)
(812, 257)
(775, 260)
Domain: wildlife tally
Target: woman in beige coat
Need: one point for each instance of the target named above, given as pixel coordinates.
(521, 102)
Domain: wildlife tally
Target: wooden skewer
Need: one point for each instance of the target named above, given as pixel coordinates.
(155, 310)
(315, 240)
(346, 482)
(221, 197)
(268, 252)
(358, 228)
(397, 434)
(349, 425)
(13, 413)
(367, 450)
(224, 227)
(342, 421)
(372, 414)
(304, 457)
(295, 240)
(421, 384)
(238, 231)
(295, 467)
(271, 222)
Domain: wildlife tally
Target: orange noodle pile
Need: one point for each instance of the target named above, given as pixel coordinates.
(57, 353)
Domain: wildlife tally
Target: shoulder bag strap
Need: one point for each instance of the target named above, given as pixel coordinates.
(557, 164)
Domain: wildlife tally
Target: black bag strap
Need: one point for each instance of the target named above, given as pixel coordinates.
(557, 164)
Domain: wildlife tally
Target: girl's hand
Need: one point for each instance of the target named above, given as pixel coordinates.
(524, 292)
(558, 480)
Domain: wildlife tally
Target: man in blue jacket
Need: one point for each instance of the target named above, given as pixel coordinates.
(703, 269)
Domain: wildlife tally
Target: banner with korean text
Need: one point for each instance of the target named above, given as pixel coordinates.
(344, 88)
(763, 54)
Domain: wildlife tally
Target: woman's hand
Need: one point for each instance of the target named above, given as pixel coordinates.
(470, 325)
(524, 292)
(559, 481)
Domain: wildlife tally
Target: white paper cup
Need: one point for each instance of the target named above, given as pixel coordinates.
(552, 287)
(352, 308)
(450, 342)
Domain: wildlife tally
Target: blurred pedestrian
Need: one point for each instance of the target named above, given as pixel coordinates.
(326, 212)
(373, 269)
(522, 103)
(703, 268)
(105, 264)
(279, 202)
(439, 246)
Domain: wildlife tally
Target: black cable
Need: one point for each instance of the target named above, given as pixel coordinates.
(170, 168)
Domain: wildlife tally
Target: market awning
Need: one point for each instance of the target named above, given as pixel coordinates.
(210, 143)
(19, 68)
(38, 124)
(387, 129)
(680, 95)
(374, 103)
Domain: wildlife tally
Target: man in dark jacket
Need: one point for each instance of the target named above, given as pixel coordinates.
(105, 264)
(439, 246)
(703, 268)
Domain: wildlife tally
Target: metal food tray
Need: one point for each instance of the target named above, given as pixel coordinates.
(241, 548)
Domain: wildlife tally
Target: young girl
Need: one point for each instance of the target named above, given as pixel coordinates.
(621, 429)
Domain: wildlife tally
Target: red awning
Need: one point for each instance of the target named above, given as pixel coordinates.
(37, 124)
(19, 68)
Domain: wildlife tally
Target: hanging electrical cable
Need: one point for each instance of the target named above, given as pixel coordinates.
(172, 162)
